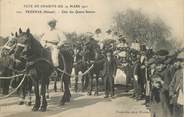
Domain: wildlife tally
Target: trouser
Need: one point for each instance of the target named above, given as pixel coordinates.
(141, 86)
(54, 54)
(147, 92)
(108, 83)
(137, 87)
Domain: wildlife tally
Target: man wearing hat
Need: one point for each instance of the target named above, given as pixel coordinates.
(99, 37)
(109, 72)
(176, 87)
(135, 45)
(98, 34)
(115, 36)
(108, 34)
(122, 42)
(53, 39)
(165, 73)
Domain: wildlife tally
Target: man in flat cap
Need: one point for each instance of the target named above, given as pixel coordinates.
(53, 39)
(115, 36)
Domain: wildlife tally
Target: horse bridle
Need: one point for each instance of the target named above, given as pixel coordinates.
(7, 47)
(21, 45)
(23, 48)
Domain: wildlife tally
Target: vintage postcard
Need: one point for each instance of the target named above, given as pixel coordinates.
(91, 58)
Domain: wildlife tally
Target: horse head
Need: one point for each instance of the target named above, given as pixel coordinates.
(8, 47)
(92, 51)
(26, 46)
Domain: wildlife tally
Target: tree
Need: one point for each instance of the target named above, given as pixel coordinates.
(139, 26)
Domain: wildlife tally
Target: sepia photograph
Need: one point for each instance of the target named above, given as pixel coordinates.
(91, 58)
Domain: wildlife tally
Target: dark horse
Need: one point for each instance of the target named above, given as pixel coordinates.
(5, 67)
(5, 71)
(80, 65)
(10, 66)
(39, 67)
(97, 59)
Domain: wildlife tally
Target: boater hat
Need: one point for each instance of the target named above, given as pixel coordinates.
(52, 20)
(98, 30)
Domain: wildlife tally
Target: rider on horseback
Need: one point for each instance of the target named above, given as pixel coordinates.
(53, 39)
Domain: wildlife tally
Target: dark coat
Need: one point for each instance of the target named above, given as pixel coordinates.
(175, 85)
(109, 67)
(167, 76)
(137, 69)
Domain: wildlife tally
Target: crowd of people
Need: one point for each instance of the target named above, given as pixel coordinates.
(153, 76)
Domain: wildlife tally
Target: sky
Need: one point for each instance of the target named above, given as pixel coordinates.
(171, 11)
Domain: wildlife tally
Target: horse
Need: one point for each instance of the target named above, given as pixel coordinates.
(96, 58)
(57, 77)
(6, 63)
(25, 89)
(80, 65)
(39, 68)
(14, 66)
(5, 71)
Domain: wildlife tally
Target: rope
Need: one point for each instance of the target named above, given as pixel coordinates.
(11, 77)
(15, 89)
(87, 71)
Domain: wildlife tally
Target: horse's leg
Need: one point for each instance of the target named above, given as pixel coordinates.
(86, 80)
(29, 90)
(62, 82)
(96, 90)
(43, 104)
(63, 100)
(67, 95)
(37, 100)
(70, 84)
(55, 84)
(5, 86)
(76, 80)
(47, 89)
(83, 83)
(91, 84)
(22, 93)
(62, 85)
(113, 90)
(29, 98)
(76, 83)
(18, 90)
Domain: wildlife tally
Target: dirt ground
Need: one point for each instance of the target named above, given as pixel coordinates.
(81, 105)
